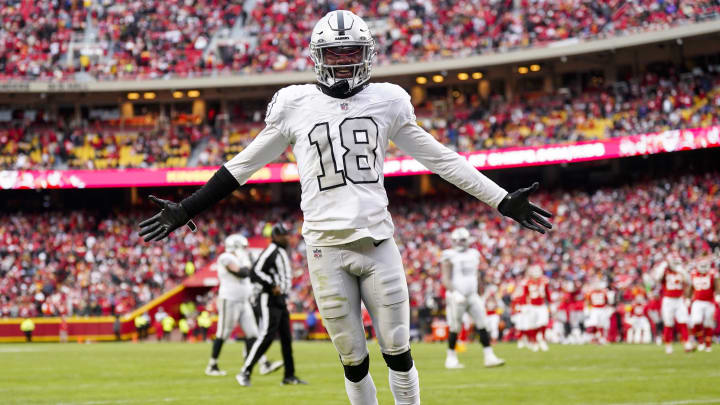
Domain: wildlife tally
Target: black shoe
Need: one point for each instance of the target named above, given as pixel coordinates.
(243, 379)
(293, 381)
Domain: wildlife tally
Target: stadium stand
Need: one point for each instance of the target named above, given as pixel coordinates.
(87, 40)
(659, 100)
(92, 263)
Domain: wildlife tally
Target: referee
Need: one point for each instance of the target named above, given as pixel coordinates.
(273, 272)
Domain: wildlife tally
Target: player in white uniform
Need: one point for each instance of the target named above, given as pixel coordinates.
(233, 302)
(339, 130)
(460, 276)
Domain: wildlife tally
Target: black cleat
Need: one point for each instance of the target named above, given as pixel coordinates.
(293, 381)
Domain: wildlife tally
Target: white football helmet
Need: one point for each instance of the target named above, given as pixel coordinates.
(703, 266)
(460, 238)
(342, 29)
(675, 261)
(235, 243)
(534, 271)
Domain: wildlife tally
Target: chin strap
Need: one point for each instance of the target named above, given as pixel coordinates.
(341, 89)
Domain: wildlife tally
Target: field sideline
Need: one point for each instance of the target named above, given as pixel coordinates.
(152, 373)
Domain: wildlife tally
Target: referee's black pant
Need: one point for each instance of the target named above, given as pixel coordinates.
(273, 318)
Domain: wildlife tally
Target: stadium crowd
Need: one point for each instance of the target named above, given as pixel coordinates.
(101, 39)
(662, 99)
(87, 263)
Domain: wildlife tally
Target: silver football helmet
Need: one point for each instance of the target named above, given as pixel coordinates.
(342, 31)
(236, 243)
(460, 238)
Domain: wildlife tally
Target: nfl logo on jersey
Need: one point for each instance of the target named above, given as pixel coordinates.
(317, 253)
(344, 106)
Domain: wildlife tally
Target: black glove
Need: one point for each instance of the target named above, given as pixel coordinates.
(516, 206)
(171, 217)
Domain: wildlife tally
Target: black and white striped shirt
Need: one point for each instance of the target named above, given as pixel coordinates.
(273, 269)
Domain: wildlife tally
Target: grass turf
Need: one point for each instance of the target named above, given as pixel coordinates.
(153, 373)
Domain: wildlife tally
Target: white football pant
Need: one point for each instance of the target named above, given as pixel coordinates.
(343, 275)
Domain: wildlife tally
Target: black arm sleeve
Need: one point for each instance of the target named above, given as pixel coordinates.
(241, 273)
(220, 185)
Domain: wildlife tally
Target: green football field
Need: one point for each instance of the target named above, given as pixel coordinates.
(159, 373)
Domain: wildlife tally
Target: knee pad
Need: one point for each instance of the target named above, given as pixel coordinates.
(399, 337)
(400, 362)
(358, 372)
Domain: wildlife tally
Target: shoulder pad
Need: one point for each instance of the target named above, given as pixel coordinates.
(287, 97)
(390, 90)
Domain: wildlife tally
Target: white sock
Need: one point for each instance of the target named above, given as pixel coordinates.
(488, 351)
(405, 386)
(213, 362)
(263, 359)
(451, 354)
(362, 392)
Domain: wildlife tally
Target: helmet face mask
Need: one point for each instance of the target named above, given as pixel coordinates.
(342, 48)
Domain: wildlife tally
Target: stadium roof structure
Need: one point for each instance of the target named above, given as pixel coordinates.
(552, 50)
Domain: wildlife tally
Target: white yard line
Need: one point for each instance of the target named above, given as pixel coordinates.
(677, 402)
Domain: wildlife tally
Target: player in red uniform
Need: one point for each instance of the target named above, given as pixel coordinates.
(519, 315)
(673, 279)
(574, 306)
(704, 282)
(598, 320)
(640, 331)
(493, 313)
(537, 294)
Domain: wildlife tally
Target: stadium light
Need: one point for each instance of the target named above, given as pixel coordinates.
(463, 76)
(421, 80)
(477, 75)
(193, 93)
(133, 96)
(523, 70)
(438, 78)
(149, 95)
(535, 68)
(178, 94)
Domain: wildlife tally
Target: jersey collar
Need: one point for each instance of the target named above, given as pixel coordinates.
(340, 91)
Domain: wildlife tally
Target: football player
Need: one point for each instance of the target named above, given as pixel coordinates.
(673, 277)
(704, 283)
(537, 293)
(640, 331)
(518, 316)
(460, 277)
(339, 130)
(233, 302)
(598, 320)
(493, 311)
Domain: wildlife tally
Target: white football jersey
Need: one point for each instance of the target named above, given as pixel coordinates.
(232, 287)
(464, 269)
(340, 149)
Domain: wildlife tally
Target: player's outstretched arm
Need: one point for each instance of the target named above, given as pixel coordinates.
(517, 206)
(458, 171)
(267, 146)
